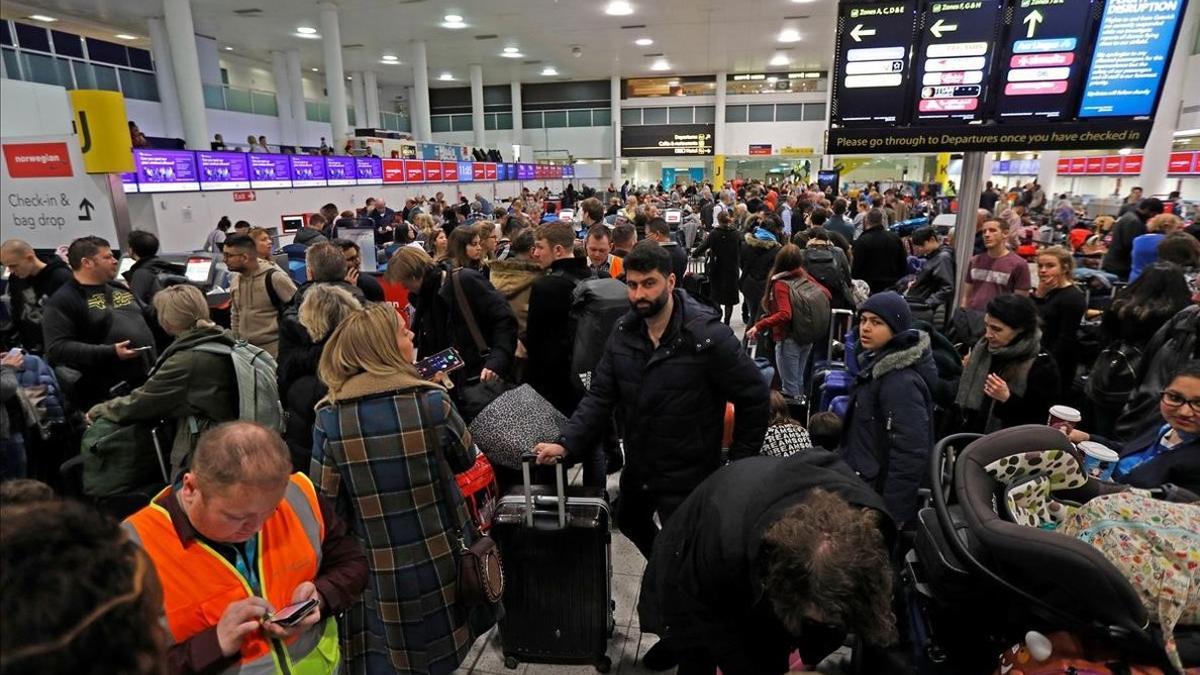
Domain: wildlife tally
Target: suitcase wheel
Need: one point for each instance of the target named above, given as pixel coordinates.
(511, 662)
(604, 664)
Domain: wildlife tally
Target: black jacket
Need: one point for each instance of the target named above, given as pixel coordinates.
(143, 277)
(439, 324)
(758, 255)
(889, 422)
(1180, 465)
(934, 285)
(1042, 390)
(1118, 259)
(673, 398)
(29, 297)
(723, 245)
(702, 585)
(879, 259)
(548, 338)
(679, 258)
(307, 237)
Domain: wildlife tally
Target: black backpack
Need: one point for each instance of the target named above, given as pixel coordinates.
(822, 265)
(1114, 375)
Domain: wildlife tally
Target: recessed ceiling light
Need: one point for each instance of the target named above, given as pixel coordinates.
(307, 30)
(618, 8)
(511, 50)
(643, 42)
(125, 36)
(348, 78)
(309, 36)
(390, 62)
(316, 70)
(1124, 151)
(390, 57)
(660, 64)
(452, 18)
(512, 55)
(228, 49)
(549, 71)
(446, 77)
(672, 83)
(42, 17)
(789, 35)
(780, 60)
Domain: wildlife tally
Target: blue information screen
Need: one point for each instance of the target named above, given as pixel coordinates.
(1131, 54)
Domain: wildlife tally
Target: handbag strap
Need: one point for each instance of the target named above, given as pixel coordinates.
(433, 412)
(464, 308)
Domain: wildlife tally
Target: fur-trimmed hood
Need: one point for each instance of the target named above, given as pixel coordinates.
(512, 276)
(767, 244)
(908, 349)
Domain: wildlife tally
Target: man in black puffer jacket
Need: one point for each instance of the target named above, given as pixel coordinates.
(669, 366)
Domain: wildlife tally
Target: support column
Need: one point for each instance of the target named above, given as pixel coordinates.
(181, 36)
(615, 113)
(296, 96)
(335, 75)
(719, 115)
(422, 127)
(477, 122)
(1157, 153)
(964, 225)
(164, 77)
(518, 114)
(371, 84)
(283, 98)
(1048, 176)
(359, 94)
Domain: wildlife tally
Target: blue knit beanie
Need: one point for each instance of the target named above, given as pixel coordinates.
(892, 308)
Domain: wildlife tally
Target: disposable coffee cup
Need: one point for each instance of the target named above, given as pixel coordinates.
(1098, 460)
(1064, 418)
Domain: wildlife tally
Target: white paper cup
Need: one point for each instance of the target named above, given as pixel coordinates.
(1098, 460)
(1064, 418)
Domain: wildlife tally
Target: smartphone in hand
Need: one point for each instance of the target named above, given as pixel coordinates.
(441, 362)
(292, 614)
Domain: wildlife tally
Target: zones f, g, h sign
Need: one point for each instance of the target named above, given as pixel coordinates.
(953, 60)
(872, 61)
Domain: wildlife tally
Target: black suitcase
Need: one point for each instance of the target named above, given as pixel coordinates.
(557, 573)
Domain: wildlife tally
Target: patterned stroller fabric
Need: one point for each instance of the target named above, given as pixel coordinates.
(1156, 545)
(1031, 477)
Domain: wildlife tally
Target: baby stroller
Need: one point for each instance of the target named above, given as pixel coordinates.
(975, 581)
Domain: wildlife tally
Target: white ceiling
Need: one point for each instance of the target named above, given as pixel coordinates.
(696, 36)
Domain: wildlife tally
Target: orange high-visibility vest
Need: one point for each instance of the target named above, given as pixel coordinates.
(616, 266)
(199, 583)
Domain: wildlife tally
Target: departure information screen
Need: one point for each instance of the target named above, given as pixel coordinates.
(960, 75)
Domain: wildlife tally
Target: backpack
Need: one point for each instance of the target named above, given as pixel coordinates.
(119, 459)
(272, 294)
(258, 393)
(810, 309)
(822, 265)
(597, 307)
(1114, 375)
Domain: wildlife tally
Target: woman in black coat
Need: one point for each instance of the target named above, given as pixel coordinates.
(724, 247)
(759, 249)
(1007, 379)
(323, 308)
(888, 430)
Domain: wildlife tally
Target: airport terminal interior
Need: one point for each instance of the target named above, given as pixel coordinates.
(621, 336)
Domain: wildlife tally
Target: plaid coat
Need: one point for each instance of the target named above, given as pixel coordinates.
(373, 456)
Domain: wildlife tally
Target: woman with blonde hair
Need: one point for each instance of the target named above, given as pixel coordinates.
(323, 308)
(386, 443)
(1061, 306)
(489, 238)
(1145, 247)
(197, 389)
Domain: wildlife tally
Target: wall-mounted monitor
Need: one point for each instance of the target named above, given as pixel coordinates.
(369, 170)
(269, 171)
(339, 170)
(308, 170)
(223, 170)
(166, 171)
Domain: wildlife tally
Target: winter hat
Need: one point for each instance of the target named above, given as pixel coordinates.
(892, 308)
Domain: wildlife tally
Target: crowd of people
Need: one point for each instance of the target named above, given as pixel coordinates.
(302, 451)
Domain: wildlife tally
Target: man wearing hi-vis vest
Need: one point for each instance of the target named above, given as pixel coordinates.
(238, 539)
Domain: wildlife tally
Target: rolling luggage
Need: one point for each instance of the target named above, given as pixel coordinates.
(832, 377)
(558, 573)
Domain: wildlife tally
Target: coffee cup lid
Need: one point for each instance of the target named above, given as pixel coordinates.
(1066, 413)
(1099, 451)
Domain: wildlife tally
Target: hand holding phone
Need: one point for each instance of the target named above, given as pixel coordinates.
(292, 614)
(441, 362)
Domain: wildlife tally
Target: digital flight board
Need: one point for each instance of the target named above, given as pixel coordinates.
(960, 75)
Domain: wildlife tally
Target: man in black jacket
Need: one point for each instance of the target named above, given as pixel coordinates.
(657, 230)
(1118, 259)
(143, 276)
(31, 282)
(879, 256)
(670, 366)
(765, 556)
(95, 325)
(934, 285)
(548, 337)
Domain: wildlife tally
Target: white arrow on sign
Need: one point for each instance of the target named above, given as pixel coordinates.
(858, 32)
(940, 27)
(1033, 19)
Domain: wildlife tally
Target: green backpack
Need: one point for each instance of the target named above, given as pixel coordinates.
(119, 459)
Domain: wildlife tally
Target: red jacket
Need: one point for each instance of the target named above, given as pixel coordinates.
(780, 306)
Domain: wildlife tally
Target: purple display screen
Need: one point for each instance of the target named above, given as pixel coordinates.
(223, 171)
(308, 170)
(270, 171)
(129, 181)
(526, 172)
(369, 170)
(339, 170)
(166, 170)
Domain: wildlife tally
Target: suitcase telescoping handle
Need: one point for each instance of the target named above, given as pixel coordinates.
(527, 459)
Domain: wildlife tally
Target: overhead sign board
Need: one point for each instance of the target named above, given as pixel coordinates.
(999, 75)
(667, 140)
(872, 69)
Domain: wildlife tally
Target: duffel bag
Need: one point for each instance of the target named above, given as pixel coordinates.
(119, 458)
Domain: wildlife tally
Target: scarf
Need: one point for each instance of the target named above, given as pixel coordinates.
(1018, 357)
